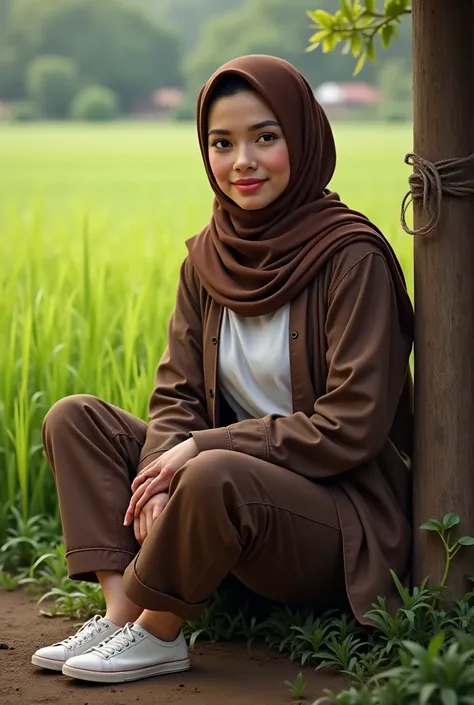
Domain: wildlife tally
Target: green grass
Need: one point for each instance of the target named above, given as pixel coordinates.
(92, 228)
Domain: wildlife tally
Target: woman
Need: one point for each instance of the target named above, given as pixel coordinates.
(279, 442)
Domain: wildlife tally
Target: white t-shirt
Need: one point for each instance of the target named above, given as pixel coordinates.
(254, 364)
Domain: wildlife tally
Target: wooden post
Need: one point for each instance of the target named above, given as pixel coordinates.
(443, 72)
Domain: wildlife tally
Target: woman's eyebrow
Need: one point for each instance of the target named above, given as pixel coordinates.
(252, 128)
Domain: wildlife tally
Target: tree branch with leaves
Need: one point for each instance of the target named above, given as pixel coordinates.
(356, 25)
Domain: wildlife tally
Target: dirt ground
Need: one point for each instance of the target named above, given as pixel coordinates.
(221, 674)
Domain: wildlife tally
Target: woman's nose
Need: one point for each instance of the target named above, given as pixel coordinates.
(244, 160)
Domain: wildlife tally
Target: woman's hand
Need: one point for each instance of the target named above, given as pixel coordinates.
(157, 476)
(143, 523)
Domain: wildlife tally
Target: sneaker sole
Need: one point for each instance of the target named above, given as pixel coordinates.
(50, 664)
(125, 676)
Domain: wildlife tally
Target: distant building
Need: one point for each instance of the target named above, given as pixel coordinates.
(161, 104)
(345, 100)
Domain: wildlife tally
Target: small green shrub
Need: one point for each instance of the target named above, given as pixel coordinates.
(95, 104)
(426, 676)
(52, 82)
(186, 111)
(296, 687)
(24, 111)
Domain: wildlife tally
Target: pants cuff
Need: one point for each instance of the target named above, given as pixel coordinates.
(83, 563)
(151, 599)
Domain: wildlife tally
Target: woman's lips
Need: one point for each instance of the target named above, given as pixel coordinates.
(249, 185)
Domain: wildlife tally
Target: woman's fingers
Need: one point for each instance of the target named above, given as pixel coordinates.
(159, 505)
(143, 525)
(148, 512)
(151, 471)
(153, 488)
(144, 520)
(129, 514)
(136, 529)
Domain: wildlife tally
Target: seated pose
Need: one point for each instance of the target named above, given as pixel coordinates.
(279, 442)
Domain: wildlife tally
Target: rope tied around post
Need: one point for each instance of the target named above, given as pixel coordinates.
(430, 180)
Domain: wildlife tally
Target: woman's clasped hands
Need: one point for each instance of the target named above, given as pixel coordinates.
(150, 487)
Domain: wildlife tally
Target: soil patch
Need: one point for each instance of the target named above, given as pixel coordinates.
(221, 674)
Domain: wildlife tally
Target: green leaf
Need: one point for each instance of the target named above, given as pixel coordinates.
(435, 644)
(194, 636)
(394, 8)
(330, 42)
(426, 692)
(386, 34)
(432, 525)
(413, 648)
(323, 18)
(410, 615)
(347, 10)
(448, 696)
(403, 592)
(360, 63)
(356, 43)
(450, 520)
(466, 541)
(370, 49)
(318, 36)
(370, 5)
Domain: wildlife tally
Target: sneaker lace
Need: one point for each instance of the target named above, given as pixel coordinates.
(116, 642)
(87, 630)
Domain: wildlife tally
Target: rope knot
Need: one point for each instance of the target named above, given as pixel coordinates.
(430, 180)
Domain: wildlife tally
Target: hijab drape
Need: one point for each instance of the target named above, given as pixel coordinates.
(255, 261)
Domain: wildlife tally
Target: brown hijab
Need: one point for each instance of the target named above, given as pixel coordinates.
(254, 262)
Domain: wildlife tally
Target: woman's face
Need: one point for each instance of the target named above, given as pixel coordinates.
(248, 153)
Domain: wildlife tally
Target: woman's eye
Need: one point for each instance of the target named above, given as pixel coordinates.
(222, 144)
(267, 137)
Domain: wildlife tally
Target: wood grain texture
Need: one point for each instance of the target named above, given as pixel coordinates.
(443, 57)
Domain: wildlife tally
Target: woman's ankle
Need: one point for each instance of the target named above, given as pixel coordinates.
(119, 609)
(163, 625)
(121, 614)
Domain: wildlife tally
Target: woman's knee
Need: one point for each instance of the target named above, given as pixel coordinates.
(68, 410)
(205, 474)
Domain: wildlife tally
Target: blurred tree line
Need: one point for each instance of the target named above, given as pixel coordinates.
(53, 53)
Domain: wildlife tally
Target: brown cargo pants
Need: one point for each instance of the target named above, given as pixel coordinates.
(228, 514)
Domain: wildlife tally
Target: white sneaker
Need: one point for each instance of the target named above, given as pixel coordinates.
(90, 634)
(130, 654)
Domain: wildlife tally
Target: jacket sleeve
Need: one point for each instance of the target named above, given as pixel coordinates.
(367, 360)
(178, 403)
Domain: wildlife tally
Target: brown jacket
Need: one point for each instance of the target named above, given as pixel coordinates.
(352, 423)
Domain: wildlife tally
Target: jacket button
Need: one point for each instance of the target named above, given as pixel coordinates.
(294, 334)
(211, 393)
(214, 340)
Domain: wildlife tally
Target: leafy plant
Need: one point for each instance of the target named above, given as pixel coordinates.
(342, 655)
(369, 664)
(356, 25)
(215, 623)
(26, 539)
(412, 617)
(281, 625)
(443, 528)
(8, 581)
(48, 570)
(430, 676)
(297, 687)
(80, 600)
(250, 627)
(426, 676)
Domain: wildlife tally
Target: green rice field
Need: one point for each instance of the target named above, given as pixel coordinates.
(92, 228)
